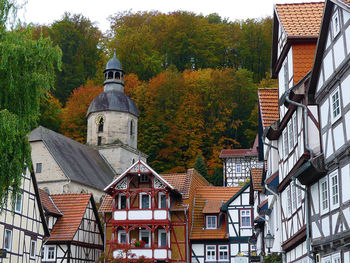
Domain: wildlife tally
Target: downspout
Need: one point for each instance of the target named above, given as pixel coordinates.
(294, 179)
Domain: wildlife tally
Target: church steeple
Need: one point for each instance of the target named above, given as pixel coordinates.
(114, 75)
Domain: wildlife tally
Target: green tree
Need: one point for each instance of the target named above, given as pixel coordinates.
(26, 69)
(200, 166)
(50, 111)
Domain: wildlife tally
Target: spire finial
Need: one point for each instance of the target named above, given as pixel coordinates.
(114, 55)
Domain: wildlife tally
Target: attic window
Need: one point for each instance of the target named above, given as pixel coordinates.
(336, 24)
(211, 222)
(144, 178)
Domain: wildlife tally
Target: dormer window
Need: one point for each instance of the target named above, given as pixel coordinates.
(211, 222)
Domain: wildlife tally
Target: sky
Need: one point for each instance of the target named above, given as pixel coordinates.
(48, 11)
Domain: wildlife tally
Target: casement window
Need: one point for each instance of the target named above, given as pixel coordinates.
(7, 239)
(334, 190)
(245, 218)
(162, 200)
(223, 252)
(291, 135)
(335, 24)
(289, 200)
(324, 194)
(162, 237)
(335, 105)
(32, 248)
(210, 253)
(211, 222)
(294, 197)
(48, 253)
(122, 201)
(285, 143)
(18, 203)
(336, 258)
(122, 237)
(238, 168)
(145, 201)
(38, 168)
(145, 236)
(144, 178)
(295, 128)
(299, 197)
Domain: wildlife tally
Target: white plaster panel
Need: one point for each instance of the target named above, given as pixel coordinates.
(119, 215)
(290, 64)
(160, 214)
(347, 37)
(345, 183)
(315, 231)
(328, 40)
(234, 249)
(334, 222)
(298, 251)
(339, 52)
(346, 213)
(346, 16)
(345, 88)
(347, 125)
(281, 88)
(329, 143)
(246, 232)
(315, 197)
(142, 252)
(328, 65)
(320, 81)
(347, 257)
(140, 215)
(198, 249)
(245, 198)
(325, 226)
(241, 260)
(160, 253)
(338, 136)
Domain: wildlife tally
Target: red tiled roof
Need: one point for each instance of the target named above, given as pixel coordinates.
(73, 207)
(257, 175)
(263, 203)
(226, 153)
(301, 19)
(107, 205)
(48, 204)
(212, 206)
(268, 104)
(212, 195)
(303, 59)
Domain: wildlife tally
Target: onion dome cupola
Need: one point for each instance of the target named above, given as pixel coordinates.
(112, 116)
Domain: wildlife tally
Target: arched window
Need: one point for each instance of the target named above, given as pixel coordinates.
(117, 75)
(110, 75)
(100, 125)
(131, 128)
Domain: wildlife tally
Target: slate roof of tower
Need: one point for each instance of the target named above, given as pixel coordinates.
(81, 163)
(114, 63)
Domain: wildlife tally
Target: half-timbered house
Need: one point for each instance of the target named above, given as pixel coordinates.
(209, 237)
(23, 227)
(151, 208)
(295, 32)
(329, 88)
(76, 233)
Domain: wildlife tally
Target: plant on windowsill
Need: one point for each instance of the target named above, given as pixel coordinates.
(139, 243)
(273, 258)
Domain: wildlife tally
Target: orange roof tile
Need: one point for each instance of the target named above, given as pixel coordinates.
(346, 2)
(268, 103)
(257, 175)
(212, 206)
(212, 195)
(303, 59)
(301, 19)
(73, 207)
(48, 204)
(107, 205)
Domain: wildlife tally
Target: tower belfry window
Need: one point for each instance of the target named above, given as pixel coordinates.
(117, 75)
(100, 121)
(110, 75)
(131, 128)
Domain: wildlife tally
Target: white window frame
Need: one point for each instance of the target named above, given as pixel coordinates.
(160, 232)
(295, 128)
(238, 168)
(212, 256)
(120, 201)
(299, 196)
(38, 168)
(32, 245)
(149, 237)
(332, 195)
(149, 202)
(335, 17)
(241, 216)
(336, 258)
(144, 178)
(120, 232)
(8, 235)
(291, 135)
(335, 118)
(294, 197)
(46, 256)
(326, 259)
(324, 180)
(160, 200)
(289, 201)
(223, 248)
(19, 203)
(285, 143)
(207, 222)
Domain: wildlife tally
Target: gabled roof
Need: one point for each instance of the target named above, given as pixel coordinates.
(78, 162)
(228, 153)
(207, 198)
(268, 105)
(257, 178)
(48, 204)
(241, 190)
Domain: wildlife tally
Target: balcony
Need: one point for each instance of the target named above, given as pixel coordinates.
(155, 253)
(141, 215)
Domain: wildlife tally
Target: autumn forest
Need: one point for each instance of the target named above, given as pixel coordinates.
(194, 79)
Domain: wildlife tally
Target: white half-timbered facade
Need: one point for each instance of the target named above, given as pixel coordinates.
(330, 89)
(240, 217)
(23, 229)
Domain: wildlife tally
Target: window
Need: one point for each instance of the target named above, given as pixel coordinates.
(122, 201)
(285, 143)
(144, 178)
(335, 24)
(286, 78)
(223, 252)
(18, 203)
(8, 239)
(145, 201)
(38, 168)
(99, 140)
(162, 238)
(162, 200)
(211, 222)
(50, 253)
(299, 197)
(211, 253)
(245, 218)
(238, 168)
(289, 201)
(294, 197)
(334, 189)
(291, 135)
(122, 237)
(336, 258)
(335, 105)
(295, 128)
(145, 236)
(32, 248)
(131, 128)
(324, 194)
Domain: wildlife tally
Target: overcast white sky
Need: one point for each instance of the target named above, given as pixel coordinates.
(47, 11)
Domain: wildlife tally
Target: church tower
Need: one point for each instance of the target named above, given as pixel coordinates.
(112, 116)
